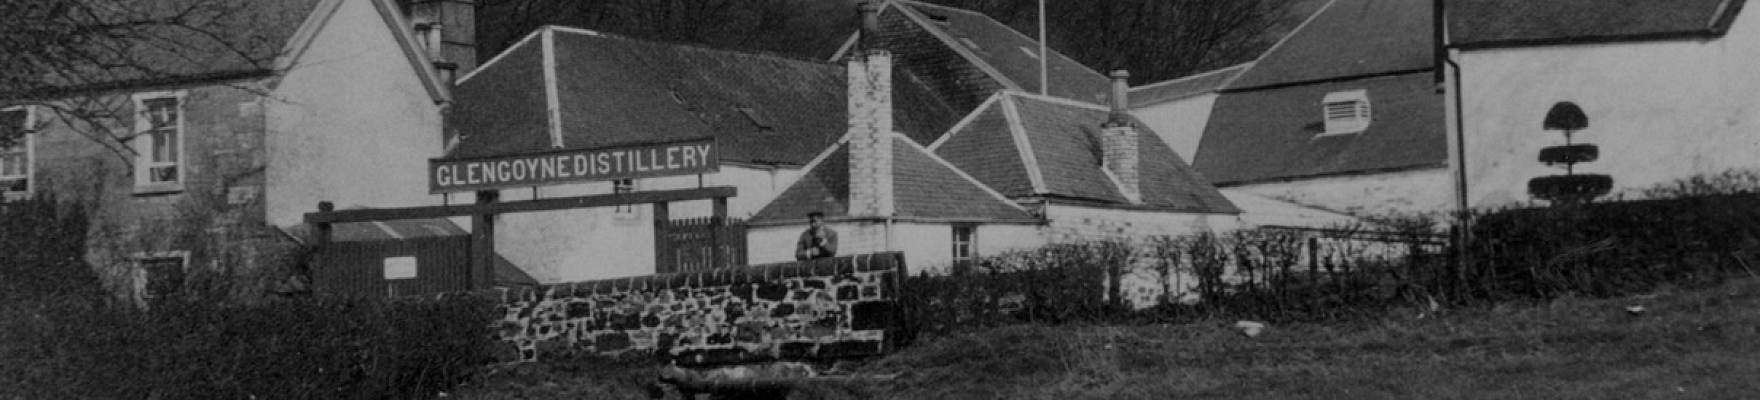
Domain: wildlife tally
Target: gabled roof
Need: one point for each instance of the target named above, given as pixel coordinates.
(1034, 146)
(1348, 39)
(217, 41)
(1273, 134)
(608, 90)
(1188, 86)
(950, 47)
(924, 187)
(1503, 23)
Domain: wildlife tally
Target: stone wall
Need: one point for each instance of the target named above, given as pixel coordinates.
(827, 308)
(214, 220)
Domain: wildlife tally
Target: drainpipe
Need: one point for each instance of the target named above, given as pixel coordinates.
(1453, 70)
(889, 221)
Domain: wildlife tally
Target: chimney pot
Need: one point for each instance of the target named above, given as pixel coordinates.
(870, 13)
(1120, 102)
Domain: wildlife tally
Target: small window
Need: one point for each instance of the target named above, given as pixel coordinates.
(1346, 112)
(158, 142)
(160, 276)
(16, 165)
(964, 248)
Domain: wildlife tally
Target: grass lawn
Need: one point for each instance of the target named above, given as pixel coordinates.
(1689, 344)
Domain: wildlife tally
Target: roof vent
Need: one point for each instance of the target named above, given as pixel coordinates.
(757, 118)
(938, 18)
(1346, 112)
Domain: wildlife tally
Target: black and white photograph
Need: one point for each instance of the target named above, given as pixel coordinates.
(879, 199)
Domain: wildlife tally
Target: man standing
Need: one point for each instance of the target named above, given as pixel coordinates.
(818, 241)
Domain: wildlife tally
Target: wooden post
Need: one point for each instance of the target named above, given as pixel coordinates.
(482, 273)
(664, 261)
(1313, 261)
(715, 223)
(322, 247)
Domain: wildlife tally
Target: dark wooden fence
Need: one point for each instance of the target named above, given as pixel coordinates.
(357, 268)
(686, 245)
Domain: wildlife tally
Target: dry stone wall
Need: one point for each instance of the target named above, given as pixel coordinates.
(820, 309)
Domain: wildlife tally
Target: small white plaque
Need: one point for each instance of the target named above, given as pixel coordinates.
(400, 267)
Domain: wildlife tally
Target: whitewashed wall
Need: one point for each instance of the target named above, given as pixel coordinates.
(926, 246)
(1071, 223)
(1180, 123)
(1659, 110)
(352, 123)
(604, 243)
(1413, 191)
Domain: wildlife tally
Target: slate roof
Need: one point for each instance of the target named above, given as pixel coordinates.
(1188, 86)
(1266, 124)
(965, 55)
(1347, 39)
(1495, 23)
(1275, 133)
(612, 90)
(1014, 54)
(1031, 146)
(923, 186)
(235, 38)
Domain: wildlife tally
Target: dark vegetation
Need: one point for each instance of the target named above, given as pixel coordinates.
(1535, 290)
(1695, 232)
(61, 336)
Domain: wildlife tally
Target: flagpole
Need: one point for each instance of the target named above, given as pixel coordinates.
(1044, 81)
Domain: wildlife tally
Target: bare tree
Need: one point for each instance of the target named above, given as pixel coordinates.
(71, 56)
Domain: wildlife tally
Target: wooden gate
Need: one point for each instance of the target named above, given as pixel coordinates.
(684, 245)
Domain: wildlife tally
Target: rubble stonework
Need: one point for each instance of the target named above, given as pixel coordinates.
(826, 308)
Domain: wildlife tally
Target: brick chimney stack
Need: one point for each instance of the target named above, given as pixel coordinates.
(870, 125)
(448, 30)
(1120, 141)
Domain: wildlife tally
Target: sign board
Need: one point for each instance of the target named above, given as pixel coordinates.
(400, 267)
(574, 165)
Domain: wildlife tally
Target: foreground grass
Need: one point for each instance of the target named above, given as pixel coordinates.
(1699, 344)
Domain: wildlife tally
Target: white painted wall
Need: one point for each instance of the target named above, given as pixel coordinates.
(1420, 191)
(1180, 123)
(1659, 110)
(351, 123)
(604, 243)
(926, 246)
(1259, 210)
(1071, 223)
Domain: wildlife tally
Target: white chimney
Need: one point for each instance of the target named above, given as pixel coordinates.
(870, 126)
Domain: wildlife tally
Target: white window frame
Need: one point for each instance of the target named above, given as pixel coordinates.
(143, 144)
(1346, 112)
(971, 245)
(28, 142)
